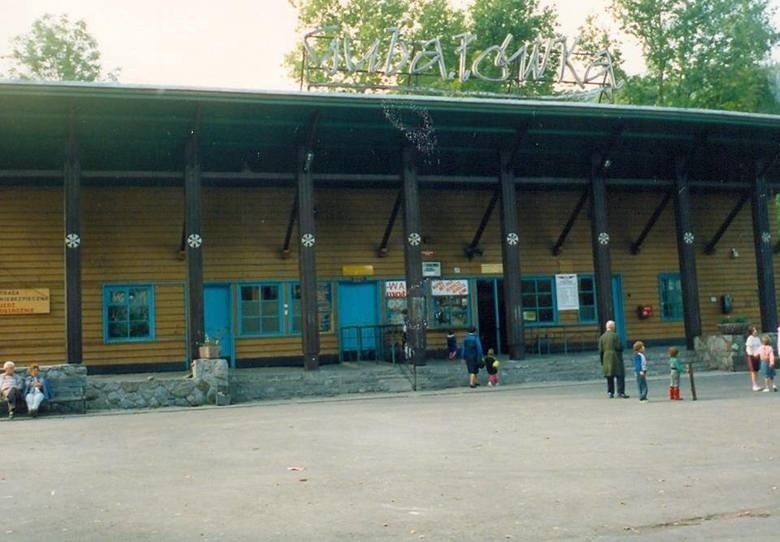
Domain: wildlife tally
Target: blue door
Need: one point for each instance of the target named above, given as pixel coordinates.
(617, 305)
(217, 311)
(358, 318)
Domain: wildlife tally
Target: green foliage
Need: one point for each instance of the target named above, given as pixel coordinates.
(57, 49)
(701, 53)
(596, 37)
(492, 20)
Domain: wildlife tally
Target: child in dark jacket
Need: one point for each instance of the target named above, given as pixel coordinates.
(452, 345)
(491, 364)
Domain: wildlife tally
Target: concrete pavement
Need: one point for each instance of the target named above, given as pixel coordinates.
(525, 462)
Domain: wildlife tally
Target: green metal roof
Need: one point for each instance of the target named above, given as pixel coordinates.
(140, 128)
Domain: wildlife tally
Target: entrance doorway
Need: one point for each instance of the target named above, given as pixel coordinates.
(358, 320)
(217, 309)
(492, 319)
(490, 308)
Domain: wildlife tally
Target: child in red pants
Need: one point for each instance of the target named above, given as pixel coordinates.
(491, 364)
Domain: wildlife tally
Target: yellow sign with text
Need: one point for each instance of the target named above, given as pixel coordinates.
(25, 301)
(355, 270)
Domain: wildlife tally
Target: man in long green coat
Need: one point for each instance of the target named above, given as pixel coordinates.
(611, 352)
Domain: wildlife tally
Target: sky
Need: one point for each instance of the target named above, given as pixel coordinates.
(206, 43)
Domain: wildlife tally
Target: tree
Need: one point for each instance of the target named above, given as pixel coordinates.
(57, 49)
(701, 53)
(493, 20)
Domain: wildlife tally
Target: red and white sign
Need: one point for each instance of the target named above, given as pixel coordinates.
(395, 288)
(449, 287)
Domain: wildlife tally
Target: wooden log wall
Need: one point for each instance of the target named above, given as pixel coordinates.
(133, 234)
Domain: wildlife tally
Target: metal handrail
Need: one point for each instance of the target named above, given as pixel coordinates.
(544, 338)
(375, 342)
(379, 342)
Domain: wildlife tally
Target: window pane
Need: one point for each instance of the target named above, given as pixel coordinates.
(671, 296)
(139, 312)
(250, 326)
(117, 313)
(250, 308)
(538, 301)
(270, 309)
(249, 293)
(138, 296)
(270, 293)
(586, 283)
(270, 325)
(139, 329)
(118, 297)
(117, 330)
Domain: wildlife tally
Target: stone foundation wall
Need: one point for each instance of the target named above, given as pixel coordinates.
(724, 352)
(208, 385)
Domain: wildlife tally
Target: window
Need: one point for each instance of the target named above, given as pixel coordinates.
(128, 313)
(449, 303)
(449, 311)
(538, 300)
(260, 309)
(671, 296)
(587, 291)
(324, 307)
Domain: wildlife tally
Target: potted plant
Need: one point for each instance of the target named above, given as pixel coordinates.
(208, 348)
(733, 325)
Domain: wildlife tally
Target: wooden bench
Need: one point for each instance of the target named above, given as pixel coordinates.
(67, 390)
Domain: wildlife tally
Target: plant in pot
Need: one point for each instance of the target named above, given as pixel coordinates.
(733, 325)
(208, 348)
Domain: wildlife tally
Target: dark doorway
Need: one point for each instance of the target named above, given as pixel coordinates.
(490, 307)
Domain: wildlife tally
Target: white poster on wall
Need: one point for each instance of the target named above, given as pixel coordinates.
(395, 288)
(449, 287)
(567, 294)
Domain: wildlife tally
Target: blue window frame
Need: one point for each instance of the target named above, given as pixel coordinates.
(671, 296)
(128, 313)
(260, 309)
(587, 293)
(538, 295)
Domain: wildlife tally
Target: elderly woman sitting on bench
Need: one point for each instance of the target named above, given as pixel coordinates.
(35, 390)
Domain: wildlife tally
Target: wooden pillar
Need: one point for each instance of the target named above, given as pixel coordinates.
(310, 330)
(762, 240)
(415, 293)
(72, 193)
(510, 254)
(686, 254)
(194, 245)
(600, 240)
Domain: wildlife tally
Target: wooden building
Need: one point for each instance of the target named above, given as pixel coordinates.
(295, 226)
